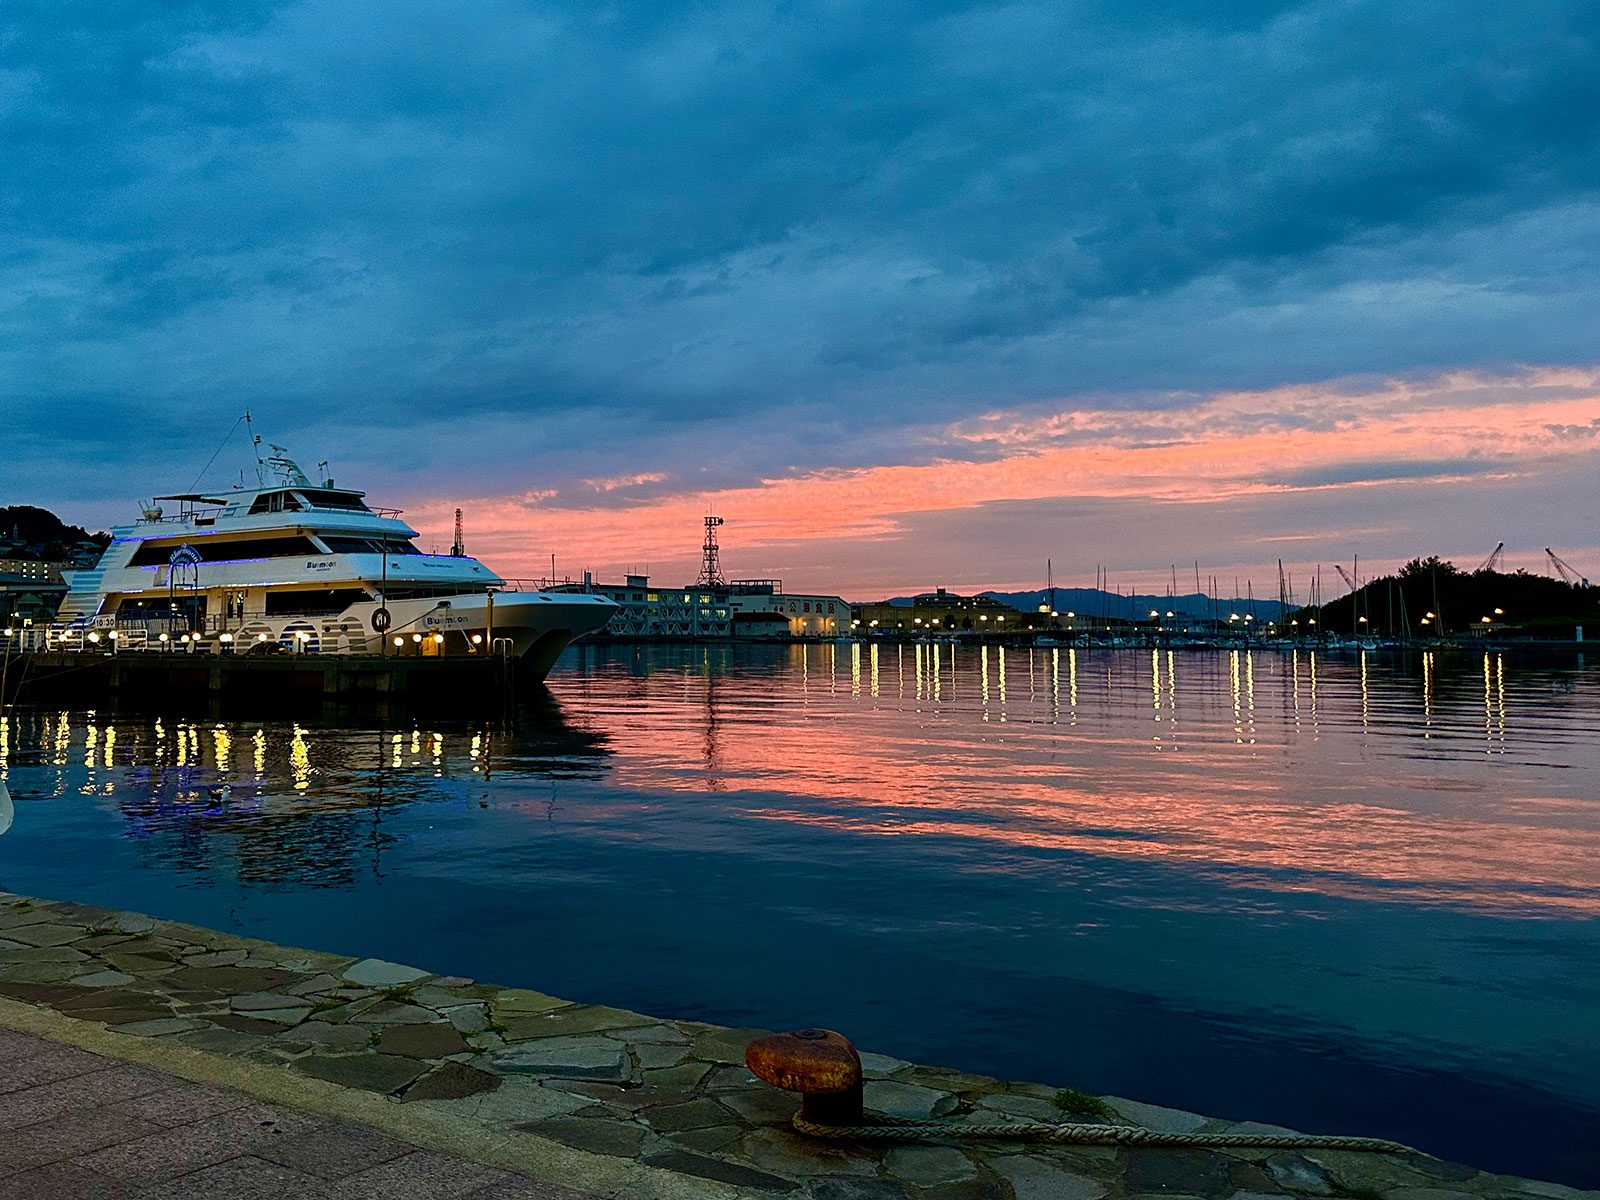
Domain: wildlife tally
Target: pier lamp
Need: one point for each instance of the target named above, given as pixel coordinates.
(1154, 614)
(1361, 620)
(184, 639)
(1311, 621)
(984, 617)
(872, 624)
(1431, 616)
(416, 637)
(227, 637)
(162, 638)
(11, 633)
(1000, 620)
(477, 639)
(261, 637)
(94, 637)
(438, 639)
(1072, 616)
(1499, 612)
(399, 641)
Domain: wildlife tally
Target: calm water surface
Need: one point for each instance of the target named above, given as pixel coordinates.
(1341, 894)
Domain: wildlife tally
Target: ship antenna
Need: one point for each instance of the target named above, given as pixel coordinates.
(255, 447)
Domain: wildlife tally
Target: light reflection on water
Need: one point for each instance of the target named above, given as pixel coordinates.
(1357, 893)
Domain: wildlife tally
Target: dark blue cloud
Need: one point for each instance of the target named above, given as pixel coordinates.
(579, 241)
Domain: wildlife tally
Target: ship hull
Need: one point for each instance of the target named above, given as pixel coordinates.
(531, 627)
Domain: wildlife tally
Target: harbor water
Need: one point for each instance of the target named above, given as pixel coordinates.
(1352, 894)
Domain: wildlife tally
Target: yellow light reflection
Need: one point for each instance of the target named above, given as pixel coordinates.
(300, 760)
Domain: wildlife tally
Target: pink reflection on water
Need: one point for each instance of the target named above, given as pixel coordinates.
(1259, 771)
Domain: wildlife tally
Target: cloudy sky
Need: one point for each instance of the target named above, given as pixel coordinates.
(911, 293)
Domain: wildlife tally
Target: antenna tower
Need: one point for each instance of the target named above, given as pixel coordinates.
(458, 548)
(710, 560)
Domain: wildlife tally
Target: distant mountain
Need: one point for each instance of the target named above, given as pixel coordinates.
(1092, 602)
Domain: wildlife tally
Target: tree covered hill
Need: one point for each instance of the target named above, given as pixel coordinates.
(1535, 605)
(29, 532)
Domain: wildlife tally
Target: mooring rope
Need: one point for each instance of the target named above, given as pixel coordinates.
(900, 1129)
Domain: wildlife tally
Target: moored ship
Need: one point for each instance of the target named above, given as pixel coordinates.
(305, 567)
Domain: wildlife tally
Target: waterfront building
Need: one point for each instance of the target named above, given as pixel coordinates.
(943, 611)
(742, 608)
(30, 589)
(761, 608)
(644, 611)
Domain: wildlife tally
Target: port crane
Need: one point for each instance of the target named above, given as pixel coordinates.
(1349, 579)
(1565, 569)
(1493, 561)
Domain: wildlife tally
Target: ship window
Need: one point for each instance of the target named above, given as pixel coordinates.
(397, 592)
(275, 502)
(366, 545)
(334, 600)
(322, 498)
(214, 549)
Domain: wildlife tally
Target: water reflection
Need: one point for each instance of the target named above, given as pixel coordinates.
(307, 805)
(1349, 866)
(1273, 806)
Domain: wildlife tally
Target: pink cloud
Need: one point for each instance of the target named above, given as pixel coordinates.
(1259, 444)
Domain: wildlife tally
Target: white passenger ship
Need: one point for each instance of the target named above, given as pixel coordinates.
(308, 568)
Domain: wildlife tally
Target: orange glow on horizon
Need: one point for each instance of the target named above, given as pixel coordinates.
(1228, 446)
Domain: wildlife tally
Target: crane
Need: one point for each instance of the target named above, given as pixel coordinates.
(1493, 561)
(1349, 579)
(1565, 569)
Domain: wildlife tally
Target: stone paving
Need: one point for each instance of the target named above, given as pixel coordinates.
(79, 1126)
(612, 1084)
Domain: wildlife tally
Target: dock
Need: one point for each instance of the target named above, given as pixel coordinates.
(31, 676)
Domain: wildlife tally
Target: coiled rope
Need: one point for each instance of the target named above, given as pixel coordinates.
(900, 1129)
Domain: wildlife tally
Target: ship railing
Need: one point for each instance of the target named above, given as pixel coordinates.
(546, 584)
(301, 633)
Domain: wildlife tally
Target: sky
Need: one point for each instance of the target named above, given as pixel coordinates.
(911, 294)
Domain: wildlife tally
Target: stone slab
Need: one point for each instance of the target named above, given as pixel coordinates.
(378, 973)
(370, 1072)
(1038, 1179)
(453, 1081)
(421, 1041)
(570, 1058)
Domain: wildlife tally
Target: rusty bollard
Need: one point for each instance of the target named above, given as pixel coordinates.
(819, 1064)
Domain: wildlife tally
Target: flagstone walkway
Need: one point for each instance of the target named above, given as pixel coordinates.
(80, 1126)
(609, 1101)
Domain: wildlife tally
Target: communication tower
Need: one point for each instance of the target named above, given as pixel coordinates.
(710, 561)
(458, 548)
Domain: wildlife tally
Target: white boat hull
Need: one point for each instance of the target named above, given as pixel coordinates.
(532, 627)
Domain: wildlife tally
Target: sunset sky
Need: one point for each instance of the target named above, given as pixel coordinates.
(910, 293)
